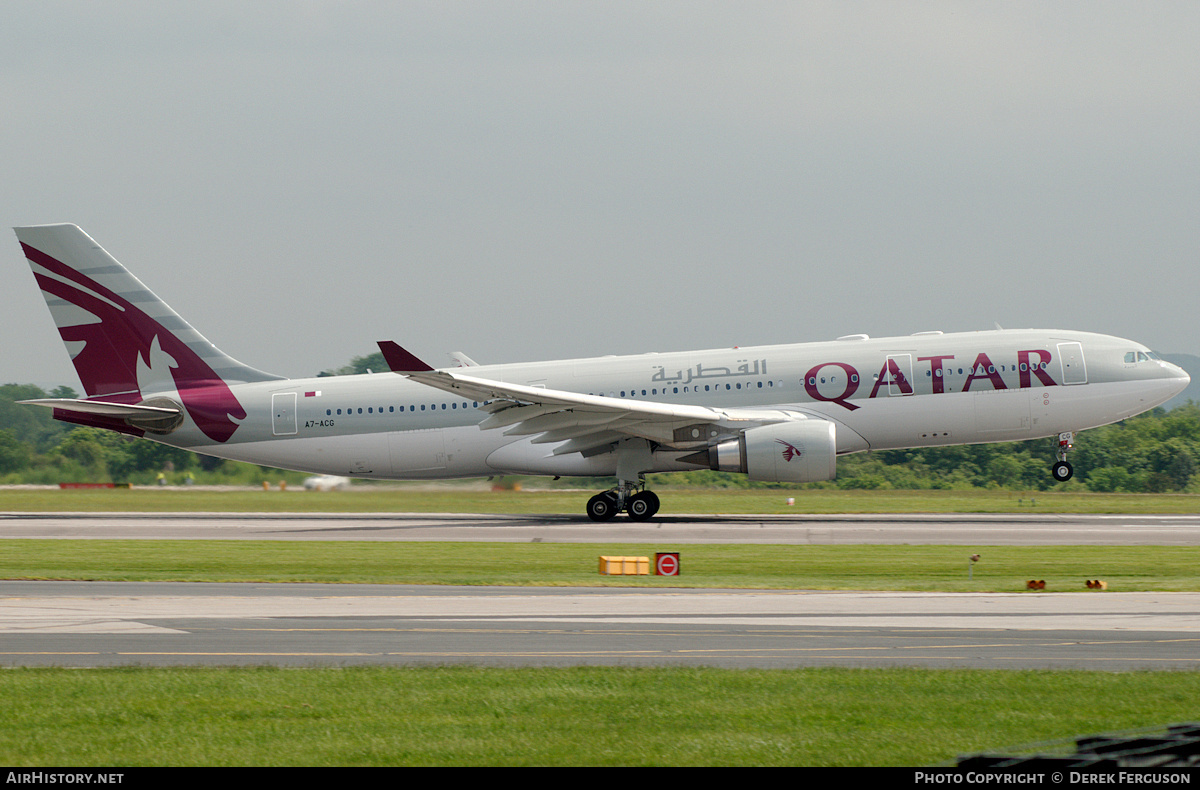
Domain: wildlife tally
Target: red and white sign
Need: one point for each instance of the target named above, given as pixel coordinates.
(666, 563)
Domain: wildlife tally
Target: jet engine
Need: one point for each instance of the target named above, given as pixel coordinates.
(792, 452)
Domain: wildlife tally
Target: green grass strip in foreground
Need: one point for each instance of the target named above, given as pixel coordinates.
(934, 568)
(576, 716)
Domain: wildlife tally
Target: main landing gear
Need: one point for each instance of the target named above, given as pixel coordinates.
(1062, 470)
(633, 498)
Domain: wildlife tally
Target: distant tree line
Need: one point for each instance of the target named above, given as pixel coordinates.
(1154, 452)
(371, 363)
(37, 449)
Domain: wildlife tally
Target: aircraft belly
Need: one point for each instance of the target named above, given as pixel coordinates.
(1002, 414)
(916, 421)
(362, 455)
(440, 453)
(414, 452)
(399, 455)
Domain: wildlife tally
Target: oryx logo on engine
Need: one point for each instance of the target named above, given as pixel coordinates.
(789, 450)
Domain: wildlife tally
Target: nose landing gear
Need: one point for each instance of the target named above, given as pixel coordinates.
(1061, 470)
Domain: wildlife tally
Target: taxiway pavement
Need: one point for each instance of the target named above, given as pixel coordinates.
(128, 623)
(952, 529)
(110, 623)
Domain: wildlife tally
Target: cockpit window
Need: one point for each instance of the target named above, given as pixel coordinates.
(1130, 357)
(1139, 356)
(1153, 356)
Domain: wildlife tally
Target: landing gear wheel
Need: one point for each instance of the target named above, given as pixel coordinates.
(642, 506)
(1062, 471)
(602, 506)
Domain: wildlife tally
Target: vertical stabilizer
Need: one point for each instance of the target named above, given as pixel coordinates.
(124, 341)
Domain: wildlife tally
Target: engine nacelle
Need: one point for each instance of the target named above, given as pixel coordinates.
(792, 452)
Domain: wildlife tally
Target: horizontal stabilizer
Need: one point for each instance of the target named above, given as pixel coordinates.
(102, 408)
(159, 419)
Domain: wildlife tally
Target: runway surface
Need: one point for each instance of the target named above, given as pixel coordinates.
(110, 623)
(157, 624)
(955, 529)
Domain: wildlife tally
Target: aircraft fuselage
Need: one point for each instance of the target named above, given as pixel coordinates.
(882, 393)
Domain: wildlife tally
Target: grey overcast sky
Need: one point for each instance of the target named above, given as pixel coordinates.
(532, 180)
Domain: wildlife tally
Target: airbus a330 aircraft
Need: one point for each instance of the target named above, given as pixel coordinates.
(779, 413)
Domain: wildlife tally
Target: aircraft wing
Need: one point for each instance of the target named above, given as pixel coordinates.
(585, 424)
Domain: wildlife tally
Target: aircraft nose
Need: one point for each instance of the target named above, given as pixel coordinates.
(1179, 374)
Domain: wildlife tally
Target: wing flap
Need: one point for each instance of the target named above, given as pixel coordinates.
(568, 419)
(585, 444)
(505, 413)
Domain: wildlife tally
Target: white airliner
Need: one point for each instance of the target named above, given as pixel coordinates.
(778, 413)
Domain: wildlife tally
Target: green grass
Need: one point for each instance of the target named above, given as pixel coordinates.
(579, 716)
(932, 568)
(469, 499)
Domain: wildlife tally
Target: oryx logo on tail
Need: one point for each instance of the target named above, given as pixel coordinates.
(121, 352)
